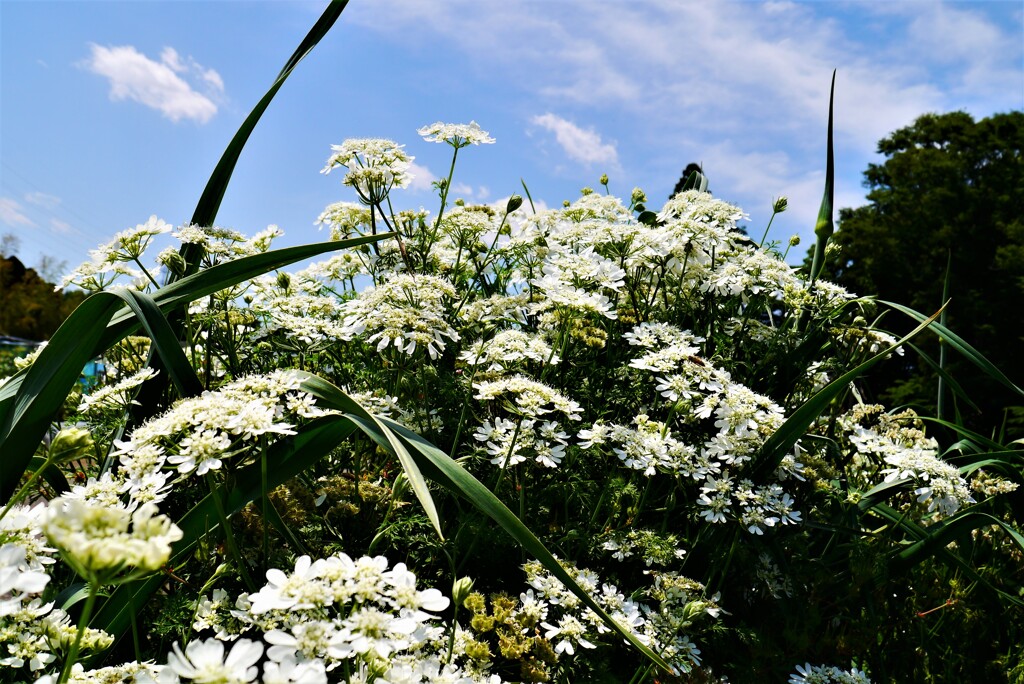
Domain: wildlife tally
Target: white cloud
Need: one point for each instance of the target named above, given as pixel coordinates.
(422, 177)
(158, 85)
(62, 227)
(581, 144)
(461, 190)
(10, 213)
(41, 199)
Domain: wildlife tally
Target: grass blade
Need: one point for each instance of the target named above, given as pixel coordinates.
(209, 203)
(960, 345)
(825, 226)
(782, 440)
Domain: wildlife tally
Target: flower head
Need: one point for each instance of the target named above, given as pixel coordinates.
(456, 135)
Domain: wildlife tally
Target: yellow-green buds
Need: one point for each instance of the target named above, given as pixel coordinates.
(71, 443)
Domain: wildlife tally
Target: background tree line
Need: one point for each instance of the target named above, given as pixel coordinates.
(948, 201)
(29, 306)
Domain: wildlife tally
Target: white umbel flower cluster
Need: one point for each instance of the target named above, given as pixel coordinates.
(330, 613)
(101, 541)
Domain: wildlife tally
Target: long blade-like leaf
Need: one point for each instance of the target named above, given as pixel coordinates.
(42, 390)
(825, 226)
(451, 475)
(164, 341)
(213, 194)
(329, 396)
(960, 345)
(782, 440)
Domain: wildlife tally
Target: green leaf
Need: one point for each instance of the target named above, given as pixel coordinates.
(941, 534)
(825, 226)
(782, 440)
(696, 181)
(945, 378)
(42, 390)
(329, 396)
(164, 341)
(213, 193)
(957, 343)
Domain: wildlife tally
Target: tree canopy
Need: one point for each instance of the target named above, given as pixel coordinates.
(29, 306)
(950, 192)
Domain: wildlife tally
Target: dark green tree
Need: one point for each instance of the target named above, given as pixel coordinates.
(29, 306)
(950, 192)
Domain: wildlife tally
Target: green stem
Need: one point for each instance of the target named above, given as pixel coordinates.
(444, 195)
(767, 228)
(145, 271)
(28, 485)
(229, 536)
(266, 502)
(83, 622)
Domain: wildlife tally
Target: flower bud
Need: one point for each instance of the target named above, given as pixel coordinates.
(284, 280)
(461, 590)
(514, 202)
(638, 196)
(174, 262)
(780, 205)
(794, 241)
(586, 191)
(604, 179)
(71, 443)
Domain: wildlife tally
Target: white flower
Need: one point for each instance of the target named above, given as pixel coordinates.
(99, 541)
(456, 135)
(569, 630)
(375, 165)
(203, 662)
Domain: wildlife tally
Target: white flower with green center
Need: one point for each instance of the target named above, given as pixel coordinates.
(17, 580)
(827, 674)
(100, 542)
(404, 595)
(407, 312)
(507, 349)
(116, 396)
(375, 165)
(378, 633)
(300, 590)
(309, 639)
(568, 631)
(531, 398)
(293, 671)
(128, 245)
(203, 662)
(456, 135)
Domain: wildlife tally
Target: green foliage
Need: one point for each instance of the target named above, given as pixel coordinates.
(631, 432)
(951, 190)
(29, 306)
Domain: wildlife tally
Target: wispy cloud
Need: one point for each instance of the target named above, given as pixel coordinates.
(62, 227)
(422, 177)
(580, 144)
(11, 213)
(159, 85)
(41, 199)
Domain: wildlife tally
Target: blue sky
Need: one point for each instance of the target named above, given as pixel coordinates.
(113, 111)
